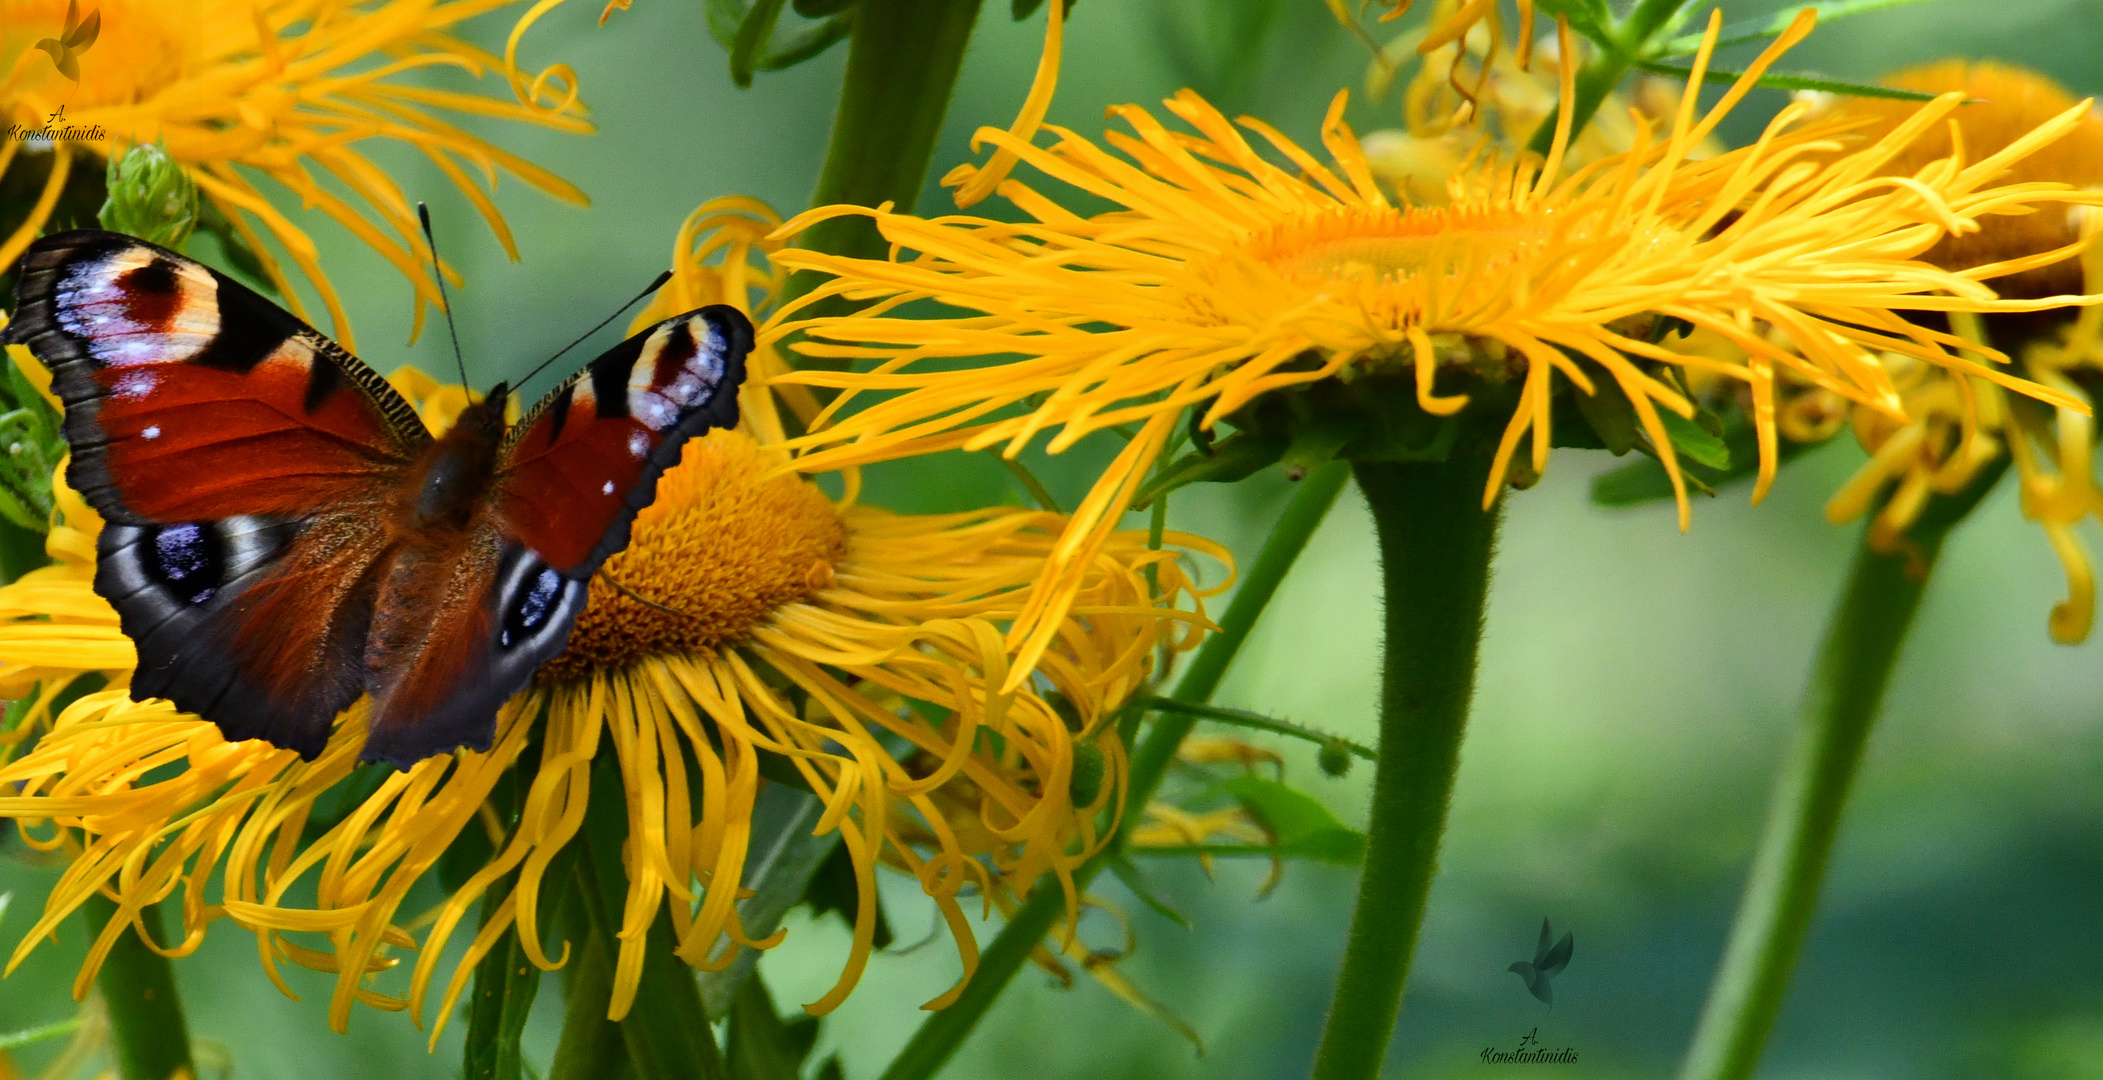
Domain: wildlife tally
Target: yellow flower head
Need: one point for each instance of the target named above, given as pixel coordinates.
(1957, 425)
(1225, 277)
(280, 88)
(750, 618)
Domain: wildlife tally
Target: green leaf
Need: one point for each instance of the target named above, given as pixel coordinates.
(1782, 81)
(1258, 721)
(833, 888)
(1305, 829)
(818, 9)
(763, 1046)
(1232, 459)
(1760, 29)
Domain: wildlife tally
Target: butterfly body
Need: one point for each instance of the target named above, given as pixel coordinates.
(283, 536)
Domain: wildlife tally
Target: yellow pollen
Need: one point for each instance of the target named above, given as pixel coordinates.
(719, 550)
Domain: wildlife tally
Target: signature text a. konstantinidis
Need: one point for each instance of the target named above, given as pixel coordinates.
(1529, 1052)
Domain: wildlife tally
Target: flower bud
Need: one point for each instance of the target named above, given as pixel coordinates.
(151, 196)
(1334, 758)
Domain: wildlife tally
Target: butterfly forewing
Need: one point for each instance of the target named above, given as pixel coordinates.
(580, 465)
(572, 476)
(243, 462)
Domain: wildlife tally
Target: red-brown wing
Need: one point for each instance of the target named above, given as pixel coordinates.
(243, 463)
(188, 397)
(580, 465)
(457, 631)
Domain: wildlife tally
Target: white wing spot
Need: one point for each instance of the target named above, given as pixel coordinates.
(608, 489)
(133, 385)
(153, 432)
(638, 444)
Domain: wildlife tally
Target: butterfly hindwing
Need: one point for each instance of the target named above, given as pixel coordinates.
(245, 466)
(578, 467)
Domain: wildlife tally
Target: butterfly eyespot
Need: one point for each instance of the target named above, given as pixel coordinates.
(189, 561)
(530, 612)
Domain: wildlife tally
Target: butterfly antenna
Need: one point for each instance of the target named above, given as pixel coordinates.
(423, 213)
(639, 297)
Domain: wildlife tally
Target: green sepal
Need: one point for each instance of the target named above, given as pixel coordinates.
(747, 33)
(1302, 826)
(1760, 29)
(1588, 17)
(1696, 441)
(1645, 481)
(1609, 414)
(754, 31)
(1231, 459)
(807, 42)
(1319, 440)
(1135, 880)
(1776, 80)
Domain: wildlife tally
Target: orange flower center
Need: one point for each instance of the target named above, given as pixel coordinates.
(721, 549)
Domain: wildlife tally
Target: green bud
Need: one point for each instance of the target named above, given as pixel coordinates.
(1087, 780)
(151, 197)
(1334, 758)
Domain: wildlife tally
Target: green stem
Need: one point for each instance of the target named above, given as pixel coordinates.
(902, 64)
(942, 1033)
(665, 1034)
(138, 986)
(1435, 546)
(1833, 722)
(591, 1045)
(1599, 78)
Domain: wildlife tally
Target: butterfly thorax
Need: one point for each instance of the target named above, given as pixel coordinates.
(453, 477)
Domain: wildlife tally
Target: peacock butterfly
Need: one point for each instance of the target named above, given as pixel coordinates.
(282, 535)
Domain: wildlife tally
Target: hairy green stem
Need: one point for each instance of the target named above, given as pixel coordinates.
(942, 1033)
(1833, 722)
(1435, 546)
(902, 64)
(1598, 78)
(138, 986)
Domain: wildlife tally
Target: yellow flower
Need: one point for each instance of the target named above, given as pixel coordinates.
(1225, 277)
(1954, 425)
(750, 615)
(276, 88)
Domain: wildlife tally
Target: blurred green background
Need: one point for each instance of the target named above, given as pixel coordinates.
(1636, 688)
